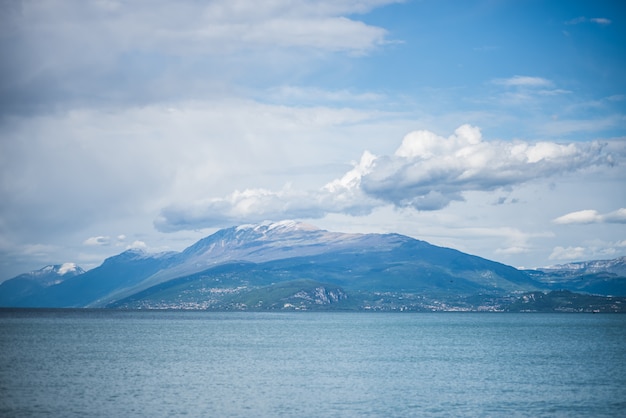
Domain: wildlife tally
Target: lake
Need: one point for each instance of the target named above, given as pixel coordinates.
(106, 363)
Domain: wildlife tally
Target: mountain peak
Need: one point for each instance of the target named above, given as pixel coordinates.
(280, 226)
(67, 268)
(51, 274)
(71, 269)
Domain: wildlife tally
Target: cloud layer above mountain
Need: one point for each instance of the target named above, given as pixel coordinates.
(590, 216)
(426, 173)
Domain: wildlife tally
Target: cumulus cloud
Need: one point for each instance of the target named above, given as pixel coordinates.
(427, 172)
(590, 216)
(250, 205)
(255, 205)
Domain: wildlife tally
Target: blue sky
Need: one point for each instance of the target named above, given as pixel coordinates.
(494, 127)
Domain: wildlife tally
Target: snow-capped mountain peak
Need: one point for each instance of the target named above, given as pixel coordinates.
(51, 274)
(58, 270)
(280, 226)
(66, 268)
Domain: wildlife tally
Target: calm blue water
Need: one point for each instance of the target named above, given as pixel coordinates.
(162, 364)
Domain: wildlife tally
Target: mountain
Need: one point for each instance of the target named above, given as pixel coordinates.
(603, 277)
(20, 287)
(250, 256)
(292, 265)
(616, 266)
(114, 275)
(566, 301)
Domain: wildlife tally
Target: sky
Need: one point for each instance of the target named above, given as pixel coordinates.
(497, 128)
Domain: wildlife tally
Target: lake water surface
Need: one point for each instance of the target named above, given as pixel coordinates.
(86, 363)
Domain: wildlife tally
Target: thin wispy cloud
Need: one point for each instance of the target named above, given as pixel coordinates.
(521, 89)
(598, 20)
(99, 240)
(69, 52)
(523, 81)
(591, 216)
(568, 253)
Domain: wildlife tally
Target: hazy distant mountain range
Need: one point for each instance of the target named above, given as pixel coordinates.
(294, 266)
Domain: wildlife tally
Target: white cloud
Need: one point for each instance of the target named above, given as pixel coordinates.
(37, 250)
(134, 161)
(592, 249)
(617, 217)
(302, 94)
(553, 92)
(328, 33)
(352, 179)
(616, 98)
(523, 90)
(568, 253)
(189, 26)
(599, 20)
(142, 52)
(513, 240)
(577, 126)
(342, 195)
(576, 21)
(589, 216)
(138, 245)
(66, 268)
(99, 240)
(427, 172)
(579, 217)
(523, 81)
(512, 250)
(256, 205)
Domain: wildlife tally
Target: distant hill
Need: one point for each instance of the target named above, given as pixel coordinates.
(616, 266)
(294, 266)
(21, 287)
(566, 301)
(601, 277)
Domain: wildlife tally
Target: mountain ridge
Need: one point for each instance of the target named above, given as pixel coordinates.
(615, 265)
(229, 268)
(34, 281)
